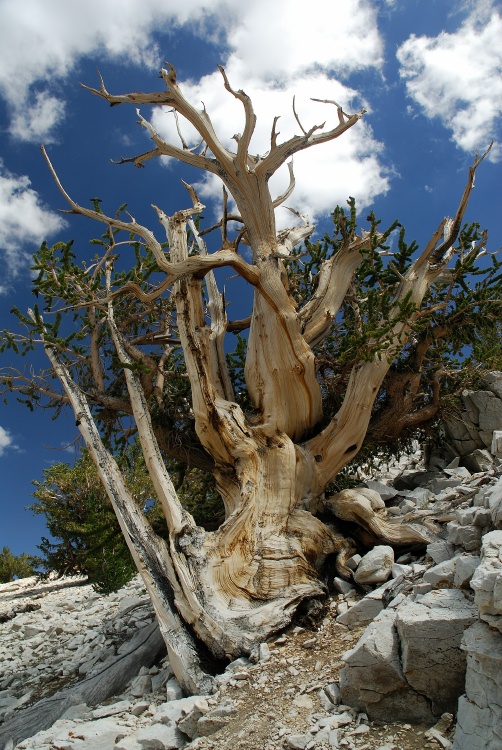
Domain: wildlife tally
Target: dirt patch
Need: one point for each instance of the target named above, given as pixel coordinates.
(282, 696)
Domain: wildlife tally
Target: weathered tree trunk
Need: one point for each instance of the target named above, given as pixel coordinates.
(231, 588)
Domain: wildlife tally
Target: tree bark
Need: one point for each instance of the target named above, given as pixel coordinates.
(231, 588)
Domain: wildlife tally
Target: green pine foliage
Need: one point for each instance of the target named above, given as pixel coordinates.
(87, 537)
(455, 337)
(14, 566)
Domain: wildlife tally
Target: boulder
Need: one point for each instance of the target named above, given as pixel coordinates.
(367, 608)
(385, 491)
(480, 459)
(440, 551)
(465, 565)
(493, 500)
(441, 576)
(372, 679)
(492, 381)
(396, 672)
(490, 411)
(487, 580)
(376, 565)
(463, 535)
(430, 631)
(160, 737)
(464, 434)
(479, 716)
(496, 446)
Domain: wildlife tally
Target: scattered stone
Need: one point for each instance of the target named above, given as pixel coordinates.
(468, 537)
(160, 737)
(343, 587)
(385, 491)
(375, 566)
(353, 562)
(441, 576)
(465, 566)
(210, 724)
(297, 741)
(111, 710)
(430, 631)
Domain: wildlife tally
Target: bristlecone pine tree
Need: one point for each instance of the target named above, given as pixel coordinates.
(219, 593)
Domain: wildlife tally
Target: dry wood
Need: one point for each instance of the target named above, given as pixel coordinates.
(231, 588)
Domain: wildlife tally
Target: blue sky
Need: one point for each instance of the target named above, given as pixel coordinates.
(429, 73)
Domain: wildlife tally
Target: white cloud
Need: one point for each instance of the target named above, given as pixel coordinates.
(274, 49)
(280, 40)
(266, 37)
(5, 440)
(456, 77)
(24, 222)
(41, 42)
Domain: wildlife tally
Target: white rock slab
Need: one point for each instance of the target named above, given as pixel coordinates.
(430, 632)
(487, 580)
(372, 679)
(479, 717)
(376, 565)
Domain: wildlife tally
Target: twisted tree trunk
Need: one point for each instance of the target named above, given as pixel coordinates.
(221, 593)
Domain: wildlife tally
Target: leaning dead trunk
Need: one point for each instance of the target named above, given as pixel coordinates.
(220, 593)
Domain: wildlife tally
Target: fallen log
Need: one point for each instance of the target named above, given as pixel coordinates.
(113, 675)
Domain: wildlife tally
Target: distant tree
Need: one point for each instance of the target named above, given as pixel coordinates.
(139, 346)
(87, 538)
(14, 566)
(80, 518)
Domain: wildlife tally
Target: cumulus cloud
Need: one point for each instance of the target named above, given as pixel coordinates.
(269, 45)
(456, 77)
(24, 223)
(264, 46)
(41, 43)
(6, 440)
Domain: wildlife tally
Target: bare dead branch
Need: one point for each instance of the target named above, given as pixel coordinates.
(292, 182)
(437, 256)
(250, 123)
(298, 119)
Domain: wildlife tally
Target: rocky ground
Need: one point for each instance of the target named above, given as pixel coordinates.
(286, 700)
(58, 635)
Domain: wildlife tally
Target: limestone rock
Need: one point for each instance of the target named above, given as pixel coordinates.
(430, 632)
(480, 459)
(385, 491)
(363, 612)
(397, 669)
(376, 565)
(188, 723)
(466, 536)
(490, 411)
(492, 381)
(479, 716)
(440, 551)
(487, 580)
(372, 679)
(494, 503)
(210, 724)
(160, 737)
(496, 446)
(441, 576)
(297, 741)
